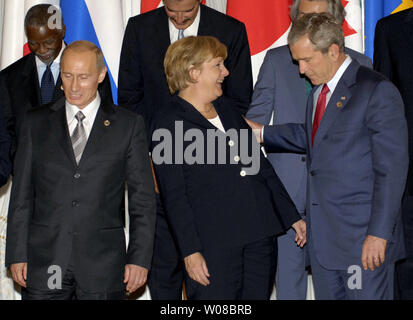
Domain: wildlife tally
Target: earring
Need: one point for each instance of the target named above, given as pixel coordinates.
(61, 88)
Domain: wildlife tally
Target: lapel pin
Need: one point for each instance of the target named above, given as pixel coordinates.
(106, 123)
(339, 104)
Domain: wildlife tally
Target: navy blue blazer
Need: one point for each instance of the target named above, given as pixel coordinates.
(215, 205)
(281, 90)
(357, 167)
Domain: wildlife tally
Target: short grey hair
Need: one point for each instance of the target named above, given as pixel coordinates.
(335, 8)
(322, 30)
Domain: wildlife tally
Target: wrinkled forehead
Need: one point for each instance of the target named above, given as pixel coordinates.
(181, 5)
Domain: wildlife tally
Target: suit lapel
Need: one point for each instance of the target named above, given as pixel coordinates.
(31, 81)
(103, 121)
(408, 27)
(58, 123)
(337, 102)
(205, 26)
(188, 113)
(161, 33)
(58, 92)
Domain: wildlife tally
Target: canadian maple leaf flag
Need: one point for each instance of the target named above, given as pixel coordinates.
(268, 23)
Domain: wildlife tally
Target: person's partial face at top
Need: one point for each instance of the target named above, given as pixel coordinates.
(182, 13)
(45, 43)
(314, 6)
(80, 77)
(317, 66)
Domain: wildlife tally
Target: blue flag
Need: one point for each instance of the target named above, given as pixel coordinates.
(374, 11)
(99, 22)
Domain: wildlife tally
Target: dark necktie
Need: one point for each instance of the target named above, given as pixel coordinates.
(79, 137)
(47, 86)
(319, 111)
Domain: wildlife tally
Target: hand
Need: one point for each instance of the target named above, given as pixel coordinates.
(197, 269)
(135, 277)
(300, 228)
(256, 128)
(373, 252)
(19, 273)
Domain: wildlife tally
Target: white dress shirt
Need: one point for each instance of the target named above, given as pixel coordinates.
(217, 123)
(192, 30)
(55, 67)
(89, 112)
(332, 84)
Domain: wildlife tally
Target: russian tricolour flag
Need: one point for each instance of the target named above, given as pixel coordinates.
(100, 22)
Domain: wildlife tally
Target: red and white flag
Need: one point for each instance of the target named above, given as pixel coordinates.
(267, 22)
(353, 25)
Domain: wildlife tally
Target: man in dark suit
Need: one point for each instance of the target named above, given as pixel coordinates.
(282, 92)
(393, 45)
(143, 89)
(5, 163)
(65, 218)
(34, 79)
(355, 141)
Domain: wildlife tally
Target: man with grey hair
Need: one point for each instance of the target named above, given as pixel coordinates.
(282, 91)
(355, 141)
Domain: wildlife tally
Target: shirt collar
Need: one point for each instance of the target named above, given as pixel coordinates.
(332, 84)
(89, 111)
(56, 61)
(192, 30)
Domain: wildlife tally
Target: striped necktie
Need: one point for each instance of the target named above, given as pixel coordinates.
(79, 137)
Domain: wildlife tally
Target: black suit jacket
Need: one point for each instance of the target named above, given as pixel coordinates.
(58, 209)
(142, 83)
(20, 89)
(214, 205)
(5, 163)
(393, 47)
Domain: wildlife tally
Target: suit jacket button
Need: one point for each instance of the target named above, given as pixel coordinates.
(75, 204)
(231, 143)
(243, 173)
(312, 173)
(77, 176)
(303, 159)
(237, 159)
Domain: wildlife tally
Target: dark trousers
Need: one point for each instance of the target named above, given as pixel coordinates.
(70, 291)
(243, 273)
(403, 282)
(165, 280)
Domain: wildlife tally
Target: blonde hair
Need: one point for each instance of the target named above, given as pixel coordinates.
(187, 53)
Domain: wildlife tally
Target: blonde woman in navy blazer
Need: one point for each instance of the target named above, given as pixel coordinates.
(223, 219)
